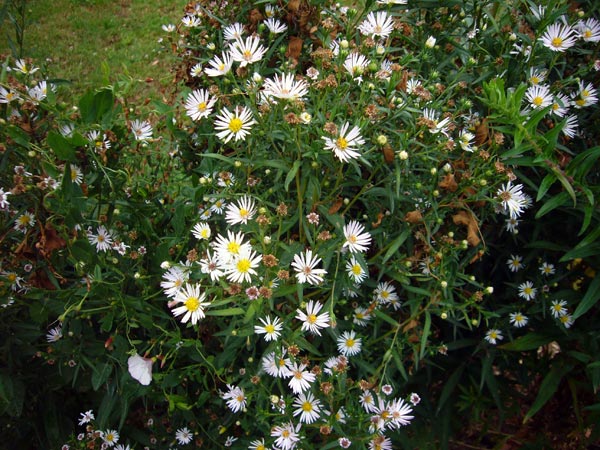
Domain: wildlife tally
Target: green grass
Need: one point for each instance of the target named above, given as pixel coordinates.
(77, 40)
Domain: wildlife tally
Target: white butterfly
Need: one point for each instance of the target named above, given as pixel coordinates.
(140, 369)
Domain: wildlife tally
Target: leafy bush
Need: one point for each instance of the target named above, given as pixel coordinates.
(345, 222)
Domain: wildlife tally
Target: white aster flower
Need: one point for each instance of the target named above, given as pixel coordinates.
(312, 321)
(142, 130)
(287, 436)
(271, 329)
(493, 336)
(355, 270)
(286, 87)
(233, 32)
(230, 247)
(355, 64)
(547, 269)
(248, 51)
(589, 30)
(103, 240)
(307, 407)
(86, 417)
(301, 379)
(54, 334)
(192, 303)
(173, 280)
(219, 66)
(211, 265)
(275, 26)
(348, 344)
(518, 319)
(538, 96)
(527, 291)
(184, 436)
(234, 125)
(235, 397)
(378, 24)
(277, 365)
(110, 437)
(345, 146)
(199, 104)
(305, 266)
(512, 199)
(242, 212)
(201, 231)
(558, 308)
(559, 37)
(357, 239)
(241, 268)
(515, 263)
(586, 95)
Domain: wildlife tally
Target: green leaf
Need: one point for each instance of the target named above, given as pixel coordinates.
(381, 315)
(425, 334)
(395, 245)
(555, 202)
(291, 174)
(530, 341)
(93, 106)
(449, 387)
(62, 148)
(546, 183)
(590, 298)
(225, 312)
(547, 389)
(100, 375)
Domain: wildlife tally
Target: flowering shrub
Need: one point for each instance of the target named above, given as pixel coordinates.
(339, 213)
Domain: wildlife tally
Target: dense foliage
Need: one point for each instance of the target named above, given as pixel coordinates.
(346, 228)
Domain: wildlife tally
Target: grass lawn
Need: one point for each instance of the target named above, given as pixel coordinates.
(87, 41)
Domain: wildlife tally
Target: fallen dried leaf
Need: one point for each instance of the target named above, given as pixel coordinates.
(468, 220)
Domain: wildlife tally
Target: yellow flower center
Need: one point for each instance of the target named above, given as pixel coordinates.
(233, 248)
(235, 124)
(243, 212)
(285, 434)
(247, 55)
(311, 318)
(201, 106)
(192, 303)
(270, 328)
(587, 34)
(341, 143)
(73, 175)
(537, 101)
(243, 265)
(557, 42)
(100, 238)
(352, 239)
(204, 233)
(349, 342)
(356, 269)
(12, 277)
(580, 102)
(384, 294)
(307, 407)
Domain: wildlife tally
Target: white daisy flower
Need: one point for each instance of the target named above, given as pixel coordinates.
(275, 26)
(192, 304)
(301, 379)
(248, 51)
(344, 147)
(493, 336)
(184, 436)
(234, 125)
(558, 308)
(538, 96)
(199, 104)
(287, 436)
(348, 344)
(312, 321)
(305, 266)
(219, 66)
(285, 87)
(515, 263)
(589, 30)
(230, 247)
(512, 198)
(357, 240)
(236, 398)
(559, 37)
(527, 291)
(355, 270)
(547, 269)
(201, 231)
(271, 329)
(307, 407)
(241, 268)
(173, 280)
(110, 437)
(54, 334)
(142, 130)
(518, 319)
(355, 64)
(233, 32)
(242, 212)
(378, 24)
(103, 240)
(277, 366)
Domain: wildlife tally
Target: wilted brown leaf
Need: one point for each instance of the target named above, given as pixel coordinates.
(414, 217)
(294, 48)
(336, 206)
(468, 220)
(482, 133)
(388, 154)
(448, 183)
